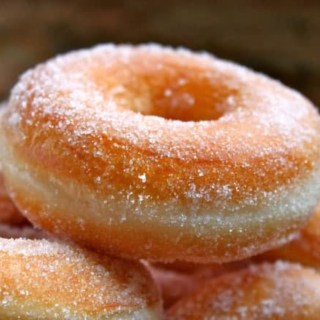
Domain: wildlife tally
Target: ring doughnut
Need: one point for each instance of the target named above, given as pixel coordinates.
(161, 154)
(49, 280)
(279, 291)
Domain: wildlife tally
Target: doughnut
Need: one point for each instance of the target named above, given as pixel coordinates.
(51, 280)
(269, 291)
(305, 249)
(146, 152)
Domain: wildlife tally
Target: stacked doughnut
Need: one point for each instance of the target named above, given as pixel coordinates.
(163, 155)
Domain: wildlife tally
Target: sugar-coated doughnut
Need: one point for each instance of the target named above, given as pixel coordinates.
(264, 292)
(305, 249)
(162, 154)
(48, 280)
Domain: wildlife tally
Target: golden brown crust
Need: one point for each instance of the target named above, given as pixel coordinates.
(49, 280)
(87, 127)
(279, 291)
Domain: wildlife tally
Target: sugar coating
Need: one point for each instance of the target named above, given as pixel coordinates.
(278, 291)
(42, 279)
(154, 137)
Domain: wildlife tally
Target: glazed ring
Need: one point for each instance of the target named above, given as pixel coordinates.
(268, 292)
(49, 280)
(162, 154)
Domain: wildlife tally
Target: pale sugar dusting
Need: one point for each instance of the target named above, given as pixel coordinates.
(143, 177)
(279, 291)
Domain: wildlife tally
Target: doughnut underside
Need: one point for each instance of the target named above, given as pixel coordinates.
(279, 291)
(89, 159)
(46, 280)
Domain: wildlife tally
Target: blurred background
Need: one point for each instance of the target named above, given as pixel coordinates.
(279, 38)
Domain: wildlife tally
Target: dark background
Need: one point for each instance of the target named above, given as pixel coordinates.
(280, 38)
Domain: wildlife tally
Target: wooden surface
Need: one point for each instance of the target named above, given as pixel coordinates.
(280, 38)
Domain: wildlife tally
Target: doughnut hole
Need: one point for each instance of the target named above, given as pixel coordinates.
(196, 100)
(182, 90)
